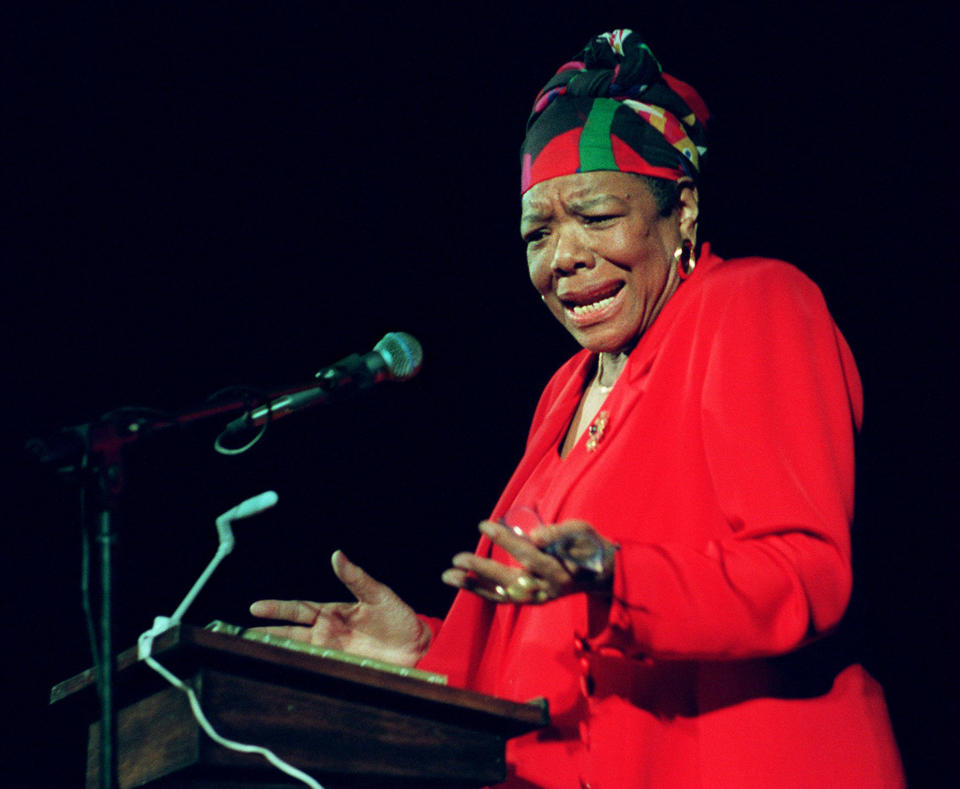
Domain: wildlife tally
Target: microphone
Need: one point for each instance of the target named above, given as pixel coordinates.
(397, 357)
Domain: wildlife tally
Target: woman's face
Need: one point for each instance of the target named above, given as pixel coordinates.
(601, 255)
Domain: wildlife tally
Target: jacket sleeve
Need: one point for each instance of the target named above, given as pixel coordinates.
(780, 400)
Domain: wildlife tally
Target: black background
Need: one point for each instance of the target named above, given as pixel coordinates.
(205, 194)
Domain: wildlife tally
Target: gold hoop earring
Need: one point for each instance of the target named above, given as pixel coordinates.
(684, 258)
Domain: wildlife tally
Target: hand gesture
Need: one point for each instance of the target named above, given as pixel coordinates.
(556, 559)
(378, 625)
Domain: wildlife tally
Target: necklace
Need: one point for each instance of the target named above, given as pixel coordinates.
(603, 388)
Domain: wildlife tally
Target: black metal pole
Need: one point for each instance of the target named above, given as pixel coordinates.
(99, 446)
(108, 705)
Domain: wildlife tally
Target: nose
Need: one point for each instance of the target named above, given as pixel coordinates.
(570, 252)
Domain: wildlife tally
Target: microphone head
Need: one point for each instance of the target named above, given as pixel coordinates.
(402, 354)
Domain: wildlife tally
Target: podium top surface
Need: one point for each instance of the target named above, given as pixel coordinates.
(188, 647)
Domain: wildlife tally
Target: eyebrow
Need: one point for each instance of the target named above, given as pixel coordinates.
(535, 215)
(579, 201)
(584, 203)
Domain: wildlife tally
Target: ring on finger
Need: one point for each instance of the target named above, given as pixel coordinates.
(527, 589)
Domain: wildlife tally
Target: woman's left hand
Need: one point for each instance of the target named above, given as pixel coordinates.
(556, 560)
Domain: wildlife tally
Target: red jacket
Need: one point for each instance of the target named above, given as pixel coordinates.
(725, 473)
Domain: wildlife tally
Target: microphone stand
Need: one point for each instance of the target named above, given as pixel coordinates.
(105, 444)
(97, 449)
(94, 453)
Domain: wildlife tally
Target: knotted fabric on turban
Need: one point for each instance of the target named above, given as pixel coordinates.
(615, 109)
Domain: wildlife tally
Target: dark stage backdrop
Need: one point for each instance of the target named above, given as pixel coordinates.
(205, 194)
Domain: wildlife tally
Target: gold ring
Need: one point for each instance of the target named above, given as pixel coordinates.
(527, 589)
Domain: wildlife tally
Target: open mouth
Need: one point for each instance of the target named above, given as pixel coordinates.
(588, 306)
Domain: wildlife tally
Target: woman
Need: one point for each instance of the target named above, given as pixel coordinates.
(675, 541)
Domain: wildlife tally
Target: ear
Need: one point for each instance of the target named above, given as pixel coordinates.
(688, 209)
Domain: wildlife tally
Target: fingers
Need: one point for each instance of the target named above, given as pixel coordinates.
(364, 587)
(555, 560)
(526, 552)
(292, 632)
(543, 535)
(515, 543)
(488, 572)
(326, 624)
(302, 612)
(498, 582)
(461, 579)
(305, 612)
(485, 588)
(475, 574)
(455, 577)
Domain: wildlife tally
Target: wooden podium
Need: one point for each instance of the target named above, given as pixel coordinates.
(343, 724)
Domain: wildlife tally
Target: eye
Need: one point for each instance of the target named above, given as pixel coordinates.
(597, 219)
(533, 236)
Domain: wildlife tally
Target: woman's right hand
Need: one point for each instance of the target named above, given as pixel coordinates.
(379, 625)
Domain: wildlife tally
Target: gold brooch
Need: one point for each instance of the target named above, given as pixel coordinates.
(596, 430)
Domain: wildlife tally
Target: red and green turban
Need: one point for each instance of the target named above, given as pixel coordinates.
(615, 109)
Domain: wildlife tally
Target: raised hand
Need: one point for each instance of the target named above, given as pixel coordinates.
(555, 560)
(378, 625)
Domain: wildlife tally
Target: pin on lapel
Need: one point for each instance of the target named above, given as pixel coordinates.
(595, 431)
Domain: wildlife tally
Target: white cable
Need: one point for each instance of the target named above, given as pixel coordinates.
(233, 745)
(245, 509)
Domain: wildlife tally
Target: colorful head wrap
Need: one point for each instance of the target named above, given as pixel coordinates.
(614, 109)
